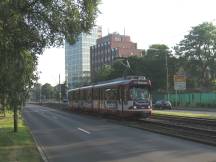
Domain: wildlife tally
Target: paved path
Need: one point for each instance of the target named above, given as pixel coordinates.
(66, 137)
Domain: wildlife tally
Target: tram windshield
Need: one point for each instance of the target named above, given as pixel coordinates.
(138, 93)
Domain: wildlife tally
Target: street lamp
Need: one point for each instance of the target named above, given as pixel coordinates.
(40, 93)
(127, 64)
(167, 76)
(59, 89)
(166, 68)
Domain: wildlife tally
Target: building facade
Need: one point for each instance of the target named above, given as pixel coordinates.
(77, 58)
(110, 47)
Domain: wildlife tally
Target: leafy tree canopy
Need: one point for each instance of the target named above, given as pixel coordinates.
(157, 51)
(26, 28)
(34, 24)
(198, 49)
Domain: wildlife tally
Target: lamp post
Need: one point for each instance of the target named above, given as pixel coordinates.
(166, 68)
(59, 89)
(40, 93)
(126, 65)
(167, 76)
(40, 89)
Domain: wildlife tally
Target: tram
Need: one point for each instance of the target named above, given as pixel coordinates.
(126, 96)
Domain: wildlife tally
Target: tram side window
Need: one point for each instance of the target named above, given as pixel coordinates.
(94, 97)
(85, 95)
(70, 96)
(111, 93)
(76, 97)
(82, 95)
(96, 94)
(102, 93)
(126, 94)
(107, 94)
(123, 93)
(88, 94)
(73, 96)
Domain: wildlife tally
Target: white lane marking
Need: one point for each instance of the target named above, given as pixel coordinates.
(84, 130)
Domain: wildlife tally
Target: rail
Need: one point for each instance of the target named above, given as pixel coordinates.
(196, 129)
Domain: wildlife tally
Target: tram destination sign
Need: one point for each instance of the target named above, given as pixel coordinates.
(140, 82)
(179, 82)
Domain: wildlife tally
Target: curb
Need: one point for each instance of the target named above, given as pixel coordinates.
(39, 148)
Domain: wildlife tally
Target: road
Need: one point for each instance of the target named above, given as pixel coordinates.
(67, 137)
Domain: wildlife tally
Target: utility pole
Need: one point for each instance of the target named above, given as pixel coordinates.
(59, 89)
(40, 93)
(166, 68)
(167, 76)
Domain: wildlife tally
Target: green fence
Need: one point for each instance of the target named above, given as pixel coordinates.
(189, 99)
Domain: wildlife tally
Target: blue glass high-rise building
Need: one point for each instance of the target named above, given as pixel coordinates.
(77, 58)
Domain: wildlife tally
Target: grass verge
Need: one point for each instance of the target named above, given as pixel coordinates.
(16, 147)
(185, 114)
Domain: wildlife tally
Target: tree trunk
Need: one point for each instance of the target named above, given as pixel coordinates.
(4, 111)
(15, 119)
(203, 77)
(4, 107)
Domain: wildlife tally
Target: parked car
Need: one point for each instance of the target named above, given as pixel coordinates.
(163, 104)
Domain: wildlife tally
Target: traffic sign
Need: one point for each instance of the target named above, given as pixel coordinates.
(179, 82)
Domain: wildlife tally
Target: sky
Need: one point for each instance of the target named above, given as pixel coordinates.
(145, 21)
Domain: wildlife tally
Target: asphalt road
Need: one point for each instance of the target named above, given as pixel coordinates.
(66, 137)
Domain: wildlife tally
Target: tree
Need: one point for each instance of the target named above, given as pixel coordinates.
(63, 88)
(198, 49)
(152, 65)
(159, 60)
(157, 52)
(47, 91)
(16, 79)
(26, 28)
(104, 73)
(36, 92)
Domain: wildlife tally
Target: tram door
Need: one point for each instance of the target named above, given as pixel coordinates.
(123, 92)
(121, 98)
(100, 98)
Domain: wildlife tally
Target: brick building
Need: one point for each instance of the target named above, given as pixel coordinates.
(110, 47)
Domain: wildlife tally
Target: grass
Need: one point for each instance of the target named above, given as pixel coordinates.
(185, 114)
(16, 147)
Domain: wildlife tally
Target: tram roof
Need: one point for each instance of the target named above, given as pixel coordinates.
(86, 87)
(119, 82)
(107, 84)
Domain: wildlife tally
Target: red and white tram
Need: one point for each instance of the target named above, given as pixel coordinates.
(124, 96)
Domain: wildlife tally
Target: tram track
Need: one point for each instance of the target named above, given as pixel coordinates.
(210, 123)
(200, 130)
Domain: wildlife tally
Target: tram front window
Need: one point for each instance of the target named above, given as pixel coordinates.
(139, 93)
